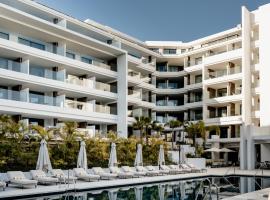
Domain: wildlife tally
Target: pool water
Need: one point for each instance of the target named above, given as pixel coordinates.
(210, 188)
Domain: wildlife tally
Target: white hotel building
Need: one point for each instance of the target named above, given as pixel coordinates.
(55, 68)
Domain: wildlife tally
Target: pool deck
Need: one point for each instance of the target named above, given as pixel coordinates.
(256, 195)
(13, 192)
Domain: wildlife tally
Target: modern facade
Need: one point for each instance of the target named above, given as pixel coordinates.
(55, 68)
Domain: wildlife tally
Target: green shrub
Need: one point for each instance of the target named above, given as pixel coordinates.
(23, 155)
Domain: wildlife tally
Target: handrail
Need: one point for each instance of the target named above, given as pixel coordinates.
(226, 173)
(260, 167)
(210, 189)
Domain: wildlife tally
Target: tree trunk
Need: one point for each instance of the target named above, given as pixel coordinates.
(147, 142)
(172, 138)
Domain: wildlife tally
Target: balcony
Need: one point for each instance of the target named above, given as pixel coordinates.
(141, 81)
(138, 99)
(224, 72)
(196, 117)
(224, 97)
(141, 63)
(223, 120)
(222, 56)
(36, 105)
(89, 107)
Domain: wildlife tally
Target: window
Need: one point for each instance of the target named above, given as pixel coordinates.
(198, 61)
(172, 85)
(31, 43)
(86, 60)
(3, 92)
(37, 71)
(198, 78)
(169, 51)
(222, 92)
(70, 55)
(4, 35)
(161, 67)
(36, 97)
(3, 63)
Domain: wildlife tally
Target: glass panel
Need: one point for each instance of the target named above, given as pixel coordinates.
(198, 79)
(3, 63)
(4, 35)
(172, 85)
(31, 44)
(86, 60)
(70, 55)
(37, 71)
(36, 98)
(169, 51)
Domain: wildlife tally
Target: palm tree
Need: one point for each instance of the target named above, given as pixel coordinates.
(69, 131)
(43, 132)
(144, 125)
(198, 130)
(173, 124)
(16, 129)
(139, 125)
(157, 127)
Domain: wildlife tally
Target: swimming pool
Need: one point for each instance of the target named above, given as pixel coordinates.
(205, 188)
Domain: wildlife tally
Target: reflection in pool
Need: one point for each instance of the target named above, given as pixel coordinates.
(211, 188)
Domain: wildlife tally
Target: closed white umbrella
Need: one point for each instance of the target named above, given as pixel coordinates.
(161, 191)
(113, 156)
(112, 194)
(183, 189)
(214, 149)
(43, 162)
(139, 158)
(226, 150)
(138, 193)
(161, 157)
(183, 158)
(82, 157)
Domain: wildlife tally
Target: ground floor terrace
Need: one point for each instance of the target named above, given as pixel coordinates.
(124, 184)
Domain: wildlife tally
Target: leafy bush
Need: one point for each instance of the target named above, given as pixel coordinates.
(15, 155)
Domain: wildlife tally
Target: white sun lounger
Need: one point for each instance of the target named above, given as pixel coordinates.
(41, 177)
(177, 169)
(81, 174)
(170, 170)
(3, 185)
(148, 173)
(19, 179)
(160, 171)
(58, 173)
(135, 173)
(120, 174)
(103, 175)
(186, 168)
(196, 169)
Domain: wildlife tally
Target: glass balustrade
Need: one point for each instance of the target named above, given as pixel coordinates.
(47, 73)
(13, 95)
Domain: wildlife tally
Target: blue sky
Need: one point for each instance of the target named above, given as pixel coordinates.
(180, 20)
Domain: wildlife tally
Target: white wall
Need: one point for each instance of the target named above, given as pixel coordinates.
(265, 152)
(264, 33)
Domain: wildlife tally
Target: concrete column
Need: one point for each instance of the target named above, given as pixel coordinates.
(246, 80)
(243, 185)
(25, 66)
(122, 102)
(61, 49)
(243, 147)
(250, 149)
